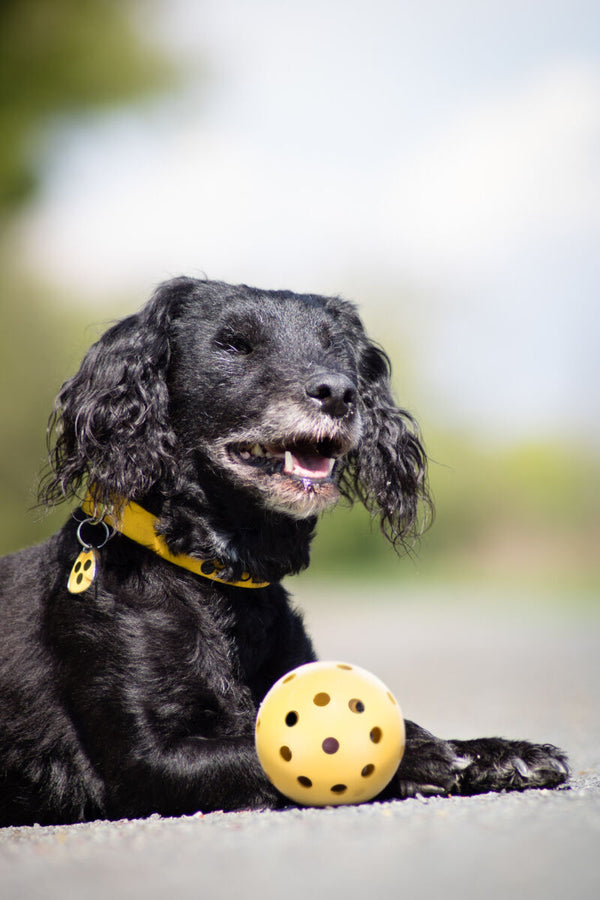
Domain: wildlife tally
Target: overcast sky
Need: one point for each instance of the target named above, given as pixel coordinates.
(438, 162)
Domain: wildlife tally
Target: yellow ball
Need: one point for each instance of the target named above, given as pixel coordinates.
(329, 733)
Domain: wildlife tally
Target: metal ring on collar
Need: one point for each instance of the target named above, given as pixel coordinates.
(93, 522)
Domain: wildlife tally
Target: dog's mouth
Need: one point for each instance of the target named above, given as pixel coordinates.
(295, 477)
(304, 461)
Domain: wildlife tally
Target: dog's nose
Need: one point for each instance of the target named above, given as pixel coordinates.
(334, 393)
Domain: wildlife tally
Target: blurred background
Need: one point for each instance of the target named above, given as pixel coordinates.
(436, 162)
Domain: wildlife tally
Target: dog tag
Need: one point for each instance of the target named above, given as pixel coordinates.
(83, 572)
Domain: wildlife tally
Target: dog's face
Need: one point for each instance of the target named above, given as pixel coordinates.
(265, 387)
(281, 398)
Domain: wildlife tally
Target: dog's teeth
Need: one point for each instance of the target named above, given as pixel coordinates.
(289, 462)
(331, 465)
(257, 450)
(245, 454)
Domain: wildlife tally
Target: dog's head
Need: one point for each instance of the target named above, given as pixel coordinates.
(279, 397)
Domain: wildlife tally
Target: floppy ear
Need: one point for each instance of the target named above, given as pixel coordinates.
(111, 419)
(387, 471)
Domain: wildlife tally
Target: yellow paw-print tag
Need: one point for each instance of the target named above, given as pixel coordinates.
(83, 572)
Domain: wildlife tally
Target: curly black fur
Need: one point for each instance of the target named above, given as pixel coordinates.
(235, 416)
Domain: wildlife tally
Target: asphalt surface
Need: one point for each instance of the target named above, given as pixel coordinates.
(462, 664)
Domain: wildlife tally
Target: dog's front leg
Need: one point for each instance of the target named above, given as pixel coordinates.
(429, 766)
(193, 775)
(432, 766)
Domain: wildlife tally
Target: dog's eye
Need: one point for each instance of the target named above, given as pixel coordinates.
(234, 343)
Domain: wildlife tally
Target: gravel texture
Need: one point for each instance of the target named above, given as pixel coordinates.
(463, 666)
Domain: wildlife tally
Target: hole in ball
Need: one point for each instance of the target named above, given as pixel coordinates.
(304, 781)
(392, 698)
(376, 735)
(289, 678)
(330, 745)
(344, 666)
(291, 718)
(321, 699)
(356, 705)
(285, 753)
(368, 770)
(339, 788)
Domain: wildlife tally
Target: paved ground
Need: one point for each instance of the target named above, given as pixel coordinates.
(463, 666)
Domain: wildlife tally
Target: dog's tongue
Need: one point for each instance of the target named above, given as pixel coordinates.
(306, 465)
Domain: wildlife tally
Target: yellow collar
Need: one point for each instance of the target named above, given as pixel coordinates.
(140, 526)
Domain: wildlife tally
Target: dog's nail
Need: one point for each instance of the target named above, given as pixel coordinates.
(521, 767)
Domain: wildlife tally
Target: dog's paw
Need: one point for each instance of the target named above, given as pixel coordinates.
(495, 764)
(433, 766)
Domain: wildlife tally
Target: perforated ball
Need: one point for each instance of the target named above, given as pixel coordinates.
(329, 733)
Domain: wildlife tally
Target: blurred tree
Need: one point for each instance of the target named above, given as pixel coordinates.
(59, 58)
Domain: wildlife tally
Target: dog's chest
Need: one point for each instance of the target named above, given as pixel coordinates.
(251, 633)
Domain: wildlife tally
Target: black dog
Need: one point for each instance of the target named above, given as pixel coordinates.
(130, 676)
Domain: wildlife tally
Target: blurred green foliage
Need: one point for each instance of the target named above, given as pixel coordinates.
(526, 513)
(41, 342)
(59, 58)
